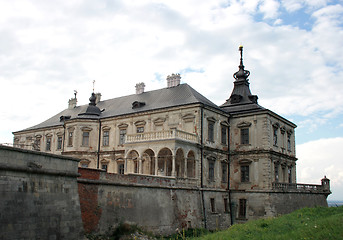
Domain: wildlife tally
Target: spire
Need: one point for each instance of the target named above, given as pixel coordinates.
(241, 75)
(241, 94)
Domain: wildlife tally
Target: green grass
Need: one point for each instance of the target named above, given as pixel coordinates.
(308, 223)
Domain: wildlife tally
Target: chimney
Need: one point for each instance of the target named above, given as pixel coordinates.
(97, 98)
(140, 88)
(173, 80)
(72, 103)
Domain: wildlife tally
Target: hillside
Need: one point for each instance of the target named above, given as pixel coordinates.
(308, 223)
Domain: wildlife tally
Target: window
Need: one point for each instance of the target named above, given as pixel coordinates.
(104, 167)
(122, 135)
(85, 139)
(290, 174)
(276, 172)
(275, 136)
(226, 209)
(121, 168)
(59, 142)
(48, 144)
(211, 171)
(213, 207)
(224, 172)
(140, 129)
(36, 144)
(84, 165)
(242, 208)
(224, 134)
(210, 131)
(70, 139)
(244, 173)
(245, 136)
(106, 138)
(289, 142)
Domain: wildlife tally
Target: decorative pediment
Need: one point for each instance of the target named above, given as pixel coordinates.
(276, 125)
(85, 161)
(38, 136)
(71, 129)
(244, 124)
(188, 117)
(140, 123)
(282, 130)
(244, 161)
(59, 134)
(123, 126)
(86, 129)
(159, 121)
(289, 131)
(106, 128)
(48, 135)
(211, 119)
(105, 161)
(225, 123)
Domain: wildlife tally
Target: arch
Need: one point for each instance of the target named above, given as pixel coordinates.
(179, 163)
(148, 162)
(132, 162)
(165, 162)
(191, 164)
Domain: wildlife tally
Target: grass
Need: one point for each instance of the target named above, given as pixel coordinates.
(308, 223)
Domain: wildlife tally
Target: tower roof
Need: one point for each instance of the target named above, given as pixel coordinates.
(241, 98)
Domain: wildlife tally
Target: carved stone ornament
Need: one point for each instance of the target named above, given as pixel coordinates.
(140, 123)
(86, 129)
(123, 126)
(244, 124)
(244, 161)
(188, 117)
(159, 121)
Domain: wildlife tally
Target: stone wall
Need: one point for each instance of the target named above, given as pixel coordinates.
(159, 204)
(39, 197)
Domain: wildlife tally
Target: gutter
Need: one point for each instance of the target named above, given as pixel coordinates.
(201, 164)
(229, 172)
(98, 153)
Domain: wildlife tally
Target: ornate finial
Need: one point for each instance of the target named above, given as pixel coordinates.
(241, 74)
(93, 85)
(75, 93)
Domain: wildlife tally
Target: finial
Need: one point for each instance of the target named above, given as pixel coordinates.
(241, 74)
(93, 85)
(75, 93)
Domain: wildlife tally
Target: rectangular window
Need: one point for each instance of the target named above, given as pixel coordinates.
(211, 131)
(244, 173)
(36, 144)
(245, 136)
(122, 135)
(106, 138)
(59, 142)
(121, 168)
(224, 172)
(226, 208)
(85, 139)
(276, 172)
(242, 208)
(275, 136)
(289, 142)
(70, 139)
(104, 167)
(211, 171)
(213, 207)
(140, 129)
(48, 144)
(224, 135)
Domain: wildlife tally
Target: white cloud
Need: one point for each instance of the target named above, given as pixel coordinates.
(322, 157)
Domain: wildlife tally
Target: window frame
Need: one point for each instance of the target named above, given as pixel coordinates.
(245, 175)
(210, 130)
(211, 170)
(106, 138)
(224, 172)
(85, 138)
(224, 134)
(59, 142)
(48, 143)
(213, 205)
(242, 208)
(70, 138)
(245, 135)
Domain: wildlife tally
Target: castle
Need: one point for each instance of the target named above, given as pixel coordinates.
(239, 157)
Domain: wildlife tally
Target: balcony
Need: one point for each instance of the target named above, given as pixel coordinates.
(162, 135)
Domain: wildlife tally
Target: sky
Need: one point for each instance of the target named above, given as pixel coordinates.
(293, 49)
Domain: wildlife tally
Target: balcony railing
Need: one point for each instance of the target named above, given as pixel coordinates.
(299, 187)
(161, 135)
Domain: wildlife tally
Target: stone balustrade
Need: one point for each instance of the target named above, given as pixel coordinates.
(161, 135)
(298, 187)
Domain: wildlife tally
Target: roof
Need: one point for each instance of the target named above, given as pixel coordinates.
(182, 94)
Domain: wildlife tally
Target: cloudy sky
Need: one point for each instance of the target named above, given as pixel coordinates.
(293, 49)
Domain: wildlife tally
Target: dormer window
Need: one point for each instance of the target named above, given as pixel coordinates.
(235, 98)
(137, 104)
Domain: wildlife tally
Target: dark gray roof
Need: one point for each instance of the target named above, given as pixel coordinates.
(182, 94)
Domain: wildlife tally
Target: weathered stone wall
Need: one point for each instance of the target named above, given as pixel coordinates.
(273, 203)
(161, 205)
(39, 197)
